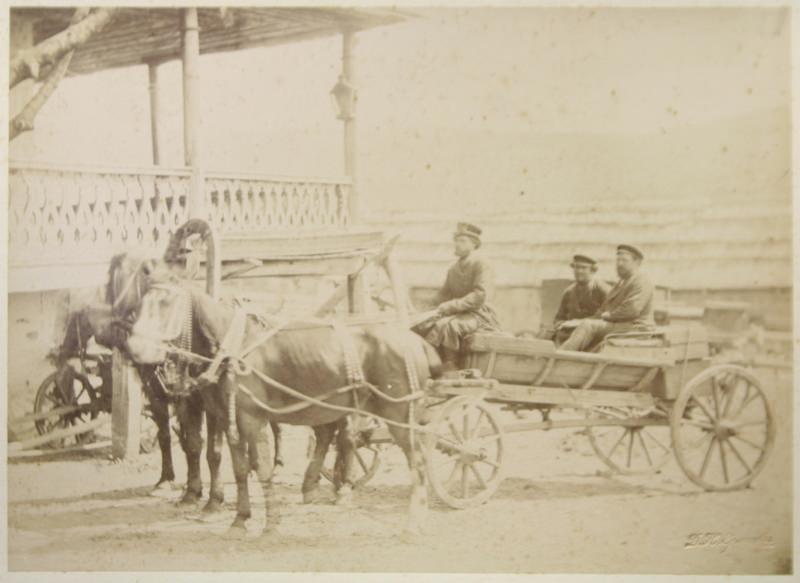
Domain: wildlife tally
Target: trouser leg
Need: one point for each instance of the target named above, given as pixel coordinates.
(587, 333)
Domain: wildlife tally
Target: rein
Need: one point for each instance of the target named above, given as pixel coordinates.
(231, 355)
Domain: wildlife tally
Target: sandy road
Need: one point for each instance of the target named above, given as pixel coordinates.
(557, 511)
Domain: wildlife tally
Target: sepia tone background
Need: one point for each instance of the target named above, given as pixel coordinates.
(558, 130)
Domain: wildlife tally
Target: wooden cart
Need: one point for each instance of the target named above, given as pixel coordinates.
(641, 397)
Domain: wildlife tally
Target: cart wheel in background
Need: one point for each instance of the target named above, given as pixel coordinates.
(643, 447)
(49, 396)
(367, 463)
(464, 454)
(723, 428)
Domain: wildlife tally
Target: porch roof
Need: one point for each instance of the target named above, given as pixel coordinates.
(141, 35)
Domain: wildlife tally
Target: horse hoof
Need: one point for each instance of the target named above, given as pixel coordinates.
(163, 487)
(311, 496)
(344, 497)
(213, 505)
(236, 532)
(189, 499)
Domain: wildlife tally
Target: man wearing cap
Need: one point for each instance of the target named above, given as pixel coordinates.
(462, 306)
(628, 306)
(582, 298)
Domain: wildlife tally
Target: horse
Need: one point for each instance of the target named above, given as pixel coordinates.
(376, 368)
(128, 277)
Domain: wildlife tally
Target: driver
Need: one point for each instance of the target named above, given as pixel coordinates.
(463, 303)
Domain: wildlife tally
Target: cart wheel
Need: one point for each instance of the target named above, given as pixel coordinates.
(723, 428)
(368, 461)
(49, 396)
(631, 449)
(464, 454)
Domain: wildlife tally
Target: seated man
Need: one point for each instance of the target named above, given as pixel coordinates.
(581, 299)
(628, 306)
(462, 304)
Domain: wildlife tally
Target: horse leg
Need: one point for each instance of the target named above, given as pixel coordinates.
(261, 463)
(343, 468)
(241, 469)
(324, 436)
(191, 419)
(214, 458)
(418, 506)
(160, 409)
(277, 434)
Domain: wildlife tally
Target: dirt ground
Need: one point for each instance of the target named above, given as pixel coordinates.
(558, 510)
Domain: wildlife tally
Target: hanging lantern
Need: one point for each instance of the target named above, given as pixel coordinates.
(343, 95)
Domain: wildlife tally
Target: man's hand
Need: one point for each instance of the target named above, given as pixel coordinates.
(605, 316)
(568, 324)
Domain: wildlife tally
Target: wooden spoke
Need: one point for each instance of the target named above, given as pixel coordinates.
(644, 447)
(701, 425)
(464, 481)
(707, 457)
(491, 463)
(630, 445)
(454, 431)
(724, 459)
(751, 423)
(478, 476)
(748, 442)
(731, 393)
(477, 425)
(466, 432)
(452, 478)
(739, 455)
(703, 408)
(361, 461)
(653, 437)
(715, 396)
(698, 442)
(616, 445)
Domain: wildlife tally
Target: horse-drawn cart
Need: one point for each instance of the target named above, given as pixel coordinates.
(641, 397)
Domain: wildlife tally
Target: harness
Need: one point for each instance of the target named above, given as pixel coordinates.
(229, 363)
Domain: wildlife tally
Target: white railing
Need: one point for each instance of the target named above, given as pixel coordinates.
(81, 214)
(248, 203)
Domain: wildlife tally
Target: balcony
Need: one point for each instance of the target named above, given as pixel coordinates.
(65, 222)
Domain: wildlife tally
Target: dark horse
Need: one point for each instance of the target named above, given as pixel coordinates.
(381, 363)
(128, 278)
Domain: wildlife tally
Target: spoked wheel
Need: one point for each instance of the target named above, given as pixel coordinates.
(464, 452)
(638, 443)
(367, 463)
(80, 396)
(367, 456)
(723, 428)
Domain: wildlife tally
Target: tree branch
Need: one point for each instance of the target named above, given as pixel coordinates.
(28, 62)
(23, 122)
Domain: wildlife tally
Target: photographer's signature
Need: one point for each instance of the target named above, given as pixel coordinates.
(722, 540)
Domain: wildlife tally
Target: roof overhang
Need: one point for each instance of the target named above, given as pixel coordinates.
(143, 35)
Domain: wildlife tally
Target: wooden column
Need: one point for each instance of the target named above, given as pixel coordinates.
(348, 74)
(357, 293)
(126, 407)
(191, 111)
(155, 119)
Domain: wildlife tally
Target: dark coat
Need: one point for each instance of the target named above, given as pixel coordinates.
(630, 301)
(468, 287)
(581, 301)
